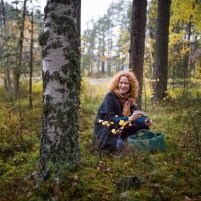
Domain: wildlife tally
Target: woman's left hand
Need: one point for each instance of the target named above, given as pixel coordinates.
(148, 122)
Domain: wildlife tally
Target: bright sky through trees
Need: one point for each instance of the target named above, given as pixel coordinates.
(93, 9)
(90, 9)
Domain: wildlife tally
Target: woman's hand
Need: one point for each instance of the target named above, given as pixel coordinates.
(134, 117)
(148, 122)
(139, 112)
(136, 114)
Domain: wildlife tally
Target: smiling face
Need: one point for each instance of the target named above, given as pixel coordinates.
(123, 85)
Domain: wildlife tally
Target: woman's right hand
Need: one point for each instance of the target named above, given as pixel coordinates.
(139, 112)
(134, 117)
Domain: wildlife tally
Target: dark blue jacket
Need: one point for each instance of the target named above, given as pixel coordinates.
(110, 107)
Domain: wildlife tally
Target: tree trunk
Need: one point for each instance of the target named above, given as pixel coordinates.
(103, 63)
(31, 62)
(137, 42)
(109, 71)
(78, 17)
(7, 81)
(161, 62)
(188, 55)
(7, 85)
(61, 87)
(103, 57)
(2, 14)
(17, 71)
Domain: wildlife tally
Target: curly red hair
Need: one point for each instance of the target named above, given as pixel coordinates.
(132, 80)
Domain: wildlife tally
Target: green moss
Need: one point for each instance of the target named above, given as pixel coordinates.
(46, 78)
(72, 55)
(46, 108)
(56, 75)
(61, 30)
(54, 17)
(48, 98)
(169, 176)
(46, 9)
(62, 80)
(61, 90)
(69, 84)
(62, 1)
(57, 44)
(68, 12)
(64, 68)
(54, 45)
(65, 24)
(44, 53)
(74, 14)
(48, 24)
(43, 38)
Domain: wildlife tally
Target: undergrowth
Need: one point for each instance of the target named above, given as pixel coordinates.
(171, 175)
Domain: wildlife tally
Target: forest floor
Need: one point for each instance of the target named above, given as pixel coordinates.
(173, 175)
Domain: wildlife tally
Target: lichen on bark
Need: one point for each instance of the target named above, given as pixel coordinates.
(61, 88)
(43, 38)
(62, 1)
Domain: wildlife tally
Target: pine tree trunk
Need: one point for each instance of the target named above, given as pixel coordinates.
(161, 62)
(61, 87)
(137, 42)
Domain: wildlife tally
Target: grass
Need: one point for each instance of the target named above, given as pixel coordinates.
(171, 175)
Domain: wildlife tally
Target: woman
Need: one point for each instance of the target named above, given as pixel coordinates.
(118, 117)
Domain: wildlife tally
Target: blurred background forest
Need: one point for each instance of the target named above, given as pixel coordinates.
(105, 44)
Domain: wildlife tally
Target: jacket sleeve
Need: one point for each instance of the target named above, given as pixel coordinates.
(118, 119)
(110, 109)
(107, 110)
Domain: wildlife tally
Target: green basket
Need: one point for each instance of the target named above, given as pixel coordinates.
(146, 140)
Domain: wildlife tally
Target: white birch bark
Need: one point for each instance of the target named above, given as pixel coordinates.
(61, 86)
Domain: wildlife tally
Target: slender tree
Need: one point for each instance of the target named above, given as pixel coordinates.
(161, 62)
(31, 59)
(102, 35)
(17, 71)
(4, 47)
(61, 86)
(137, 42)
(88, 45)
(151, 32)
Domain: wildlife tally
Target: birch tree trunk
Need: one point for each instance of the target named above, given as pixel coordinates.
(61, 86)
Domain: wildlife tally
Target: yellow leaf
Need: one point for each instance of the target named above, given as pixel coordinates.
(121, 122)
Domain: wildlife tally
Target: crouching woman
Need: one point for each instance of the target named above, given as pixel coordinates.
(118, 117)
